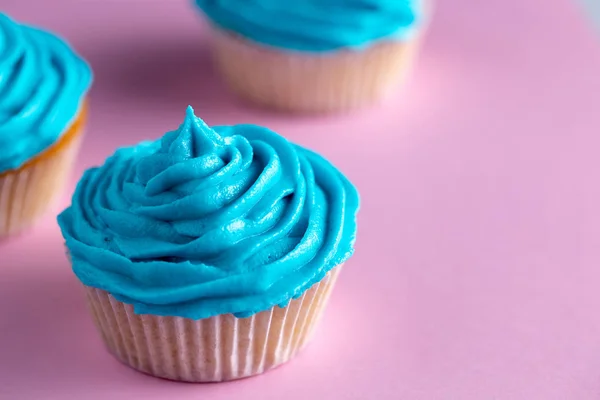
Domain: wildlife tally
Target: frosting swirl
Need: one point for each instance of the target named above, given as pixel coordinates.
(42, 83)
(233, 219)
(309, 25)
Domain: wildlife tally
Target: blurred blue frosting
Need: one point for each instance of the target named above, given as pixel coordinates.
(42, 85)
(316, 25)
(208, 221)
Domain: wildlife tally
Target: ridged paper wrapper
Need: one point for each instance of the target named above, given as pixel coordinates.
(301, 82)
(219, 348)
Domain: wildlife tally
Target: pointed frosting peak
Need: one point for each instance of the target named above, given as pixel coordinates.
(193, 138)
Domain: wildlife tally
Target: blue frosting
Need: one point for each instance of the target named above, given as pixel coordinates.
(42, 84)
(316, 25)
(233, 219)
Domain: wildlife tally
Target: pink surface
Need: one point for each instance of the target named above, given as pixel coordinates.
(477, 269)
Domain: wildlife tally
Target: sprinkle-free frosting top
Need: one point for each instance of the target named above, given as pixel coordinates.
(42, 84)
(316, 25)
(208, 221)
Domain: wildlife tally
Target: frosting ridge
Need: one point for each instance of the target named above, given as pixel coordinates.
(42, 83)
(316, 25)
(207, 221)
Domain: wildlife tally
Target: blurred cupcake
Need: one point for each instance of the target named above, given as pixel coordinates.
(209, 255)
(42, 111)
(314, 56)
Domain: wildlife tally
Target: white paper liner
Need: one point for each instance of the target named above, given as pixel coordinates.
(215, 349)
(312, 83)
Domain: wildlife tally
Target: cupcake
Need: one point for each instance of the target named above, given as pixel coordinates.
(314, 56)
(209, 255)
(43, 84)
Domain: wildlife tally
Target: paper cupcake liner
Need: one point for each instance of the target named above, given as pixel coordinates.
(28, 192)
(215, 349)
(312, 83)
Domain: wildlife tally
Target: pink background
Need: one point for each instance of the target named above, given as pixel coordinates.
(477, 269)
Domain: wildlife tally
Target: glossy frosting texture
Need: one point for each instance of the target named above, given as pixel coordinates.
(42, 84)
(233, 219)
(316, 25)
